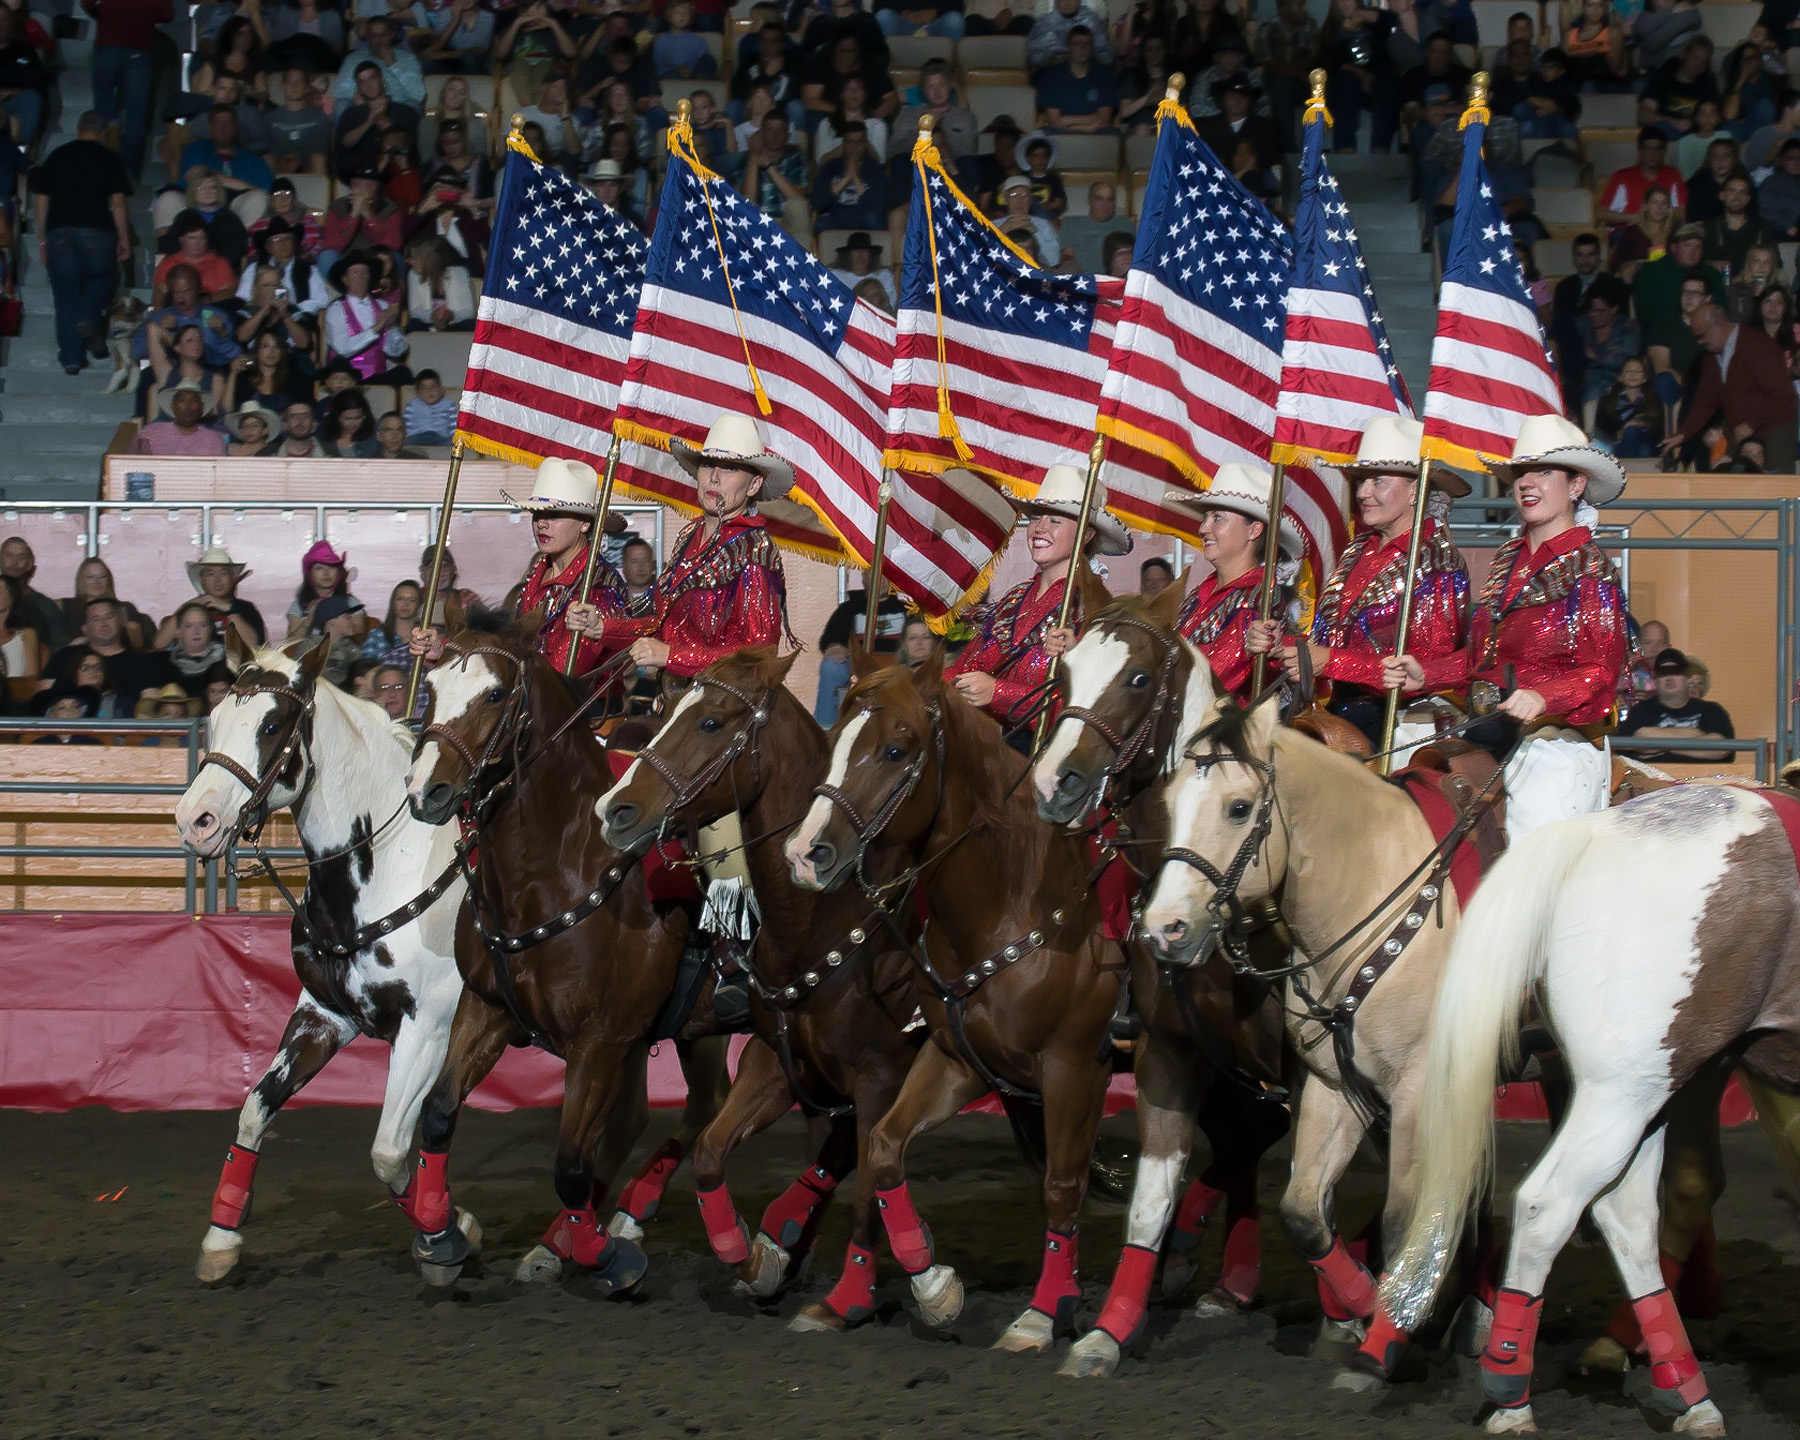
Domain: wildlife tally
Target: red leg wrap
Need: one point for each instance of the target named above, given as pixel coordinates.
(791, 1213)
(1384, 1341)
(1059, 1281)
(430, 1191)
(1122, 1317)
(1507, 1360)
(908, 1235)
(1673, 1368)
(231, 1201)
(853, 1297)
(1623, 1326)
(640, 1198)
(578, 1235)
(724, 1228)
(1241, 1272)
(1346, 1290)
(1191, 1215)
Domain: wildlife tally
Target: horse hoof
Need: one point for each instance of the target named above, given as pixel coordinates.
(621, 1268)
(1093, 1357)
(1474, 1323)
(220, 1252)
(818, 1319)
(1177, 1273)
(1338, 1340)
(940, 1295)
(441, 1257)
(1516, 1421)
(1606, 1356)
(1032, 1333)
(471, 1229)
(762, 1274)
(624, 1227)
(1358, 1382)
(541, 1266)
(1218, 1304)
(1703, 1419)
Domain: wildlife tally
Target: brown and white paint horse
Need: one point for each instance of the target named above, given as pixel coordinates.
(1662, 939)
(1022, 986)
(833, 993)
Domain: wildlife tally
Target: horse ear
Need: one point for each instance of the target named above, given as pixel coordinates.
(1263, 721)
(776, 667)
(455, 617)
(930, 674)
(238, 653)
(861, 661)
(312, 663)
(1165, 608)
(1095, 597)
(529, 625)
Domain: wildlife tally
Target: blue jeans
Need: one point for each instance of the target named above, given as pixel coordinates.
(27, 107)
(123, 82)
(1533, 126)
(947, 26)
(84, 269)
(834, 677)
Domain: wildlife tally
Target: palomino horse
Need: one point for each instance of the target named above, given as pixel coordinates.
(1351, 857)
(374, 934)
(1210, 1039)
(1662, 938)
(561, 945)
(1017, 983)
(832, 994)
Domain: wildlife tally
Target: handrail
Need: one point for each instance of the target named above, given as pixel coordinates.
(1652, 742)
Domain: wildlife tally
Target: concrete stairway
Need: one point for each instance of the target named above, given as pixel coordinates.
(1374, 187)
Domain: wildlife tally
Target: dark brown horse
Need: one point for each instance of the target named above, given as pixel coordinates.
(831, 994)
(1210, 1041)
(1021, 984)
(561, 944)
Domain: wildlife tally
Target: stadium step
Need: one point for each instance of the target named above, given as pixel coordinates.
(1387, 223)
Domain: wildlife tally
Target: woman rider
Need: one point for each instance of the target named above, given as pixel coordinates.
(1004, 668)
(1359, 610)
(1219, 616)
(1552, 613)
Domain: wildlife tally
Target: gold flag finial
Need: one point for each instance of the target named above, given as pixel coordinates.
(927, 123)
(1177, 83)
(518, 127)
(684, 112)
(1318, 87)
(1478, 88)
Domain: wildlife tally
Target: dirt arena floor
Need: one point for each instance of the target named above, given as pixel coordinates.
(327, 1329)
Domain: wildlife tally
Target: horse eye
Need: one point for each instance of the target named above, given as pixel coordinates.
(1138, 679)
(270, 729)
(710, 724)
(496, 695)
(1239, 810)
(893, 753)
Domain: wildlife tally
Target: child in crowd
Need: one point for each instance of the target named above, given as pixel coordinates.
(1630, 416)
(1047, 194)
(678, 53)
(430, 414)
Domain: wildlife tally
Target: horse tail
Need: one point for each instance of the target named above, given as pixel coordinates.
(1497, 958)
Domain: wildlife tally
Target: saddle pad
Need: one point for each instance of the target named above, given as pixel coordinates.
(1787, 811)
(665, 881)
(1441, 816)
(1116, 888)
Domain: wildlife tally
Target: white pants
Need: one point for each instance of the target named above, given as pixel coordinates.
(1409, 735)
(1555, 779)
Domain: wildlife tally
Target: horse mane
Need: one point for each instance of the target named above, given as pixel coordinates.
(1230, 729)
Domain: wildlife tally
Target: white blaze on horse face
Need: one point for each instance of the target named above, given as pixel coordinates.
(456, 684)
(1094, 662)
(687, 702)
(216, 795)
(1198, 698)
(818, 814)
(1190, 796)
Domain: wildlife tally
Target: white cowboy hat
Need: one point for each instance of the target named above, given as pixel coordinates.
(213, 555)
(1060, 494)
(1390, 445)
(1244, 490)
(565, 487)
(271, 421)
(1551, 441)
(737, 441)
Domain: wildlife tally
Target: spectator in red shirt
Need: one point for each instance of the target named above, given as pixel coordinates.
(362, 220)
(218, 279)
(1623, 196)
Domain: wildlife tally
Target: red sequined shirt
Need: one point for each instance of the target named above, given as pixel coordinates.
(1011, 647)
(1556, 615)
(714, 598)
(554, 595)
(1217, 619)
(1359, 611)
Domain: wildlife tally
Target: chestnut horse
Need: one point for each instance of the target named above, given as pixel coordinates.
(560, 946)
(1017, 983)
(1210, 1040)
(831, 995)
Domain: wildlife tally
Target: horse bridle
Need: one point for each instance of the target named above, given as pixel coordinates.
(261, 786)
(509, 730)
(1127, 748)
(684, 792)
(866, 830)
(1226, 916)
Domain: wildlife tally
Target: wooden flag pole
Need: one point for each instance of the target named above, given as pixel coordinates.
(1071, 585)
(873, 600)
(603, 503)
(1265, 605)
(1391, 716)
(437, 570)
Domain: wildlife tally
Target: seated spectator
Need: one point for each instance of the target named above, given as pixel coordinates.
(185, 403)
(553, 113)
(1353, 46)
(1231, 60)
(1623, 195)
(215, 577)
(1775, 314)
(402, 77)
(333, 381)
(94, 581)
(243, 173)
(853, 106)
(297, 440)
(1550, 106)
(617, 62)
(278, 244)
(431, 414)
(462, 33)
(1738, 228)
(1629, 417)
(387, 686)
(1760, 271)
(710, 122)
(679, 53)
(308, 34)
(1016, 214)
(348, 424)
(129, 671)
(1608, 338)
(472, 602)
(1675, 707)
(225, 232)
(1677, 88)
(183, 304)
(193, 645)
(1757, 403)
(997, 17)
(1707, 184)
(1765, 142)
(182, 362)
(401, 180)
(616, 112)
(1675, 356)
(371, 113)
(1082, 236)
(23, 79)
(1691, 153)
(634, 173)
(299, 131)
(389, 441)
(1753, 74)
(942, 18)
(66, 702)
(238, 52)
(1656, 286)
(323, 605)
(1143, 86)
(1048, 40)
(1660, 31)
(21, 649)
(361, 221)
(454, 104)
(1645, 237)
(1003, 162)
(823, 89)
(285, 205)
(1237, 123)
(1117, 254)
(855, 263)
(850, 192)
(251, 429)
(438, 294)
(1047, 194)
(458, 179)
(774, 169)
(1595, 44)
(270, 372)
(386, 643)
(167, 703)
(534, 44)
(1078, 94)
(1778, 199)
(41, 612)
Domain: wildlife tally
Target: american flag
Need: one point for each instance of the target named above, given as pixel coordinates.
(1490, 371)
(737, 316)
(998, 362)
(554, 325)
(1337, 370)
(1197, 361)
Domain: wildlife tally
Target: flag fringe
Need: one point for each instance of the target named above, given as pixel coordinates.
(1116, 429)
(495, 450)
(1447, 452)
(1176, 111)
(1283, 453)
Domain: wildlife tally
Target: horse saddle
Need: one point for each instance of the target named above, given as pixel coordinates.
(1459, 774)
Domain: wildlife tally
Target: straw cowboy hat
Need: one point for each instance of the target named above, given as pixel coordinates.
(165, 398)
(170, 694)
(213, 555)
(1551, 441)
(1060, 494)
(234, 422)
(737, 441)
(565, 487)
(1390, 445)
(1244, 490)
